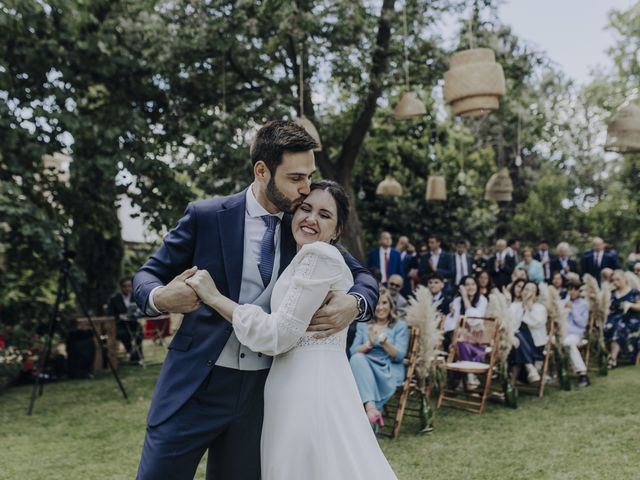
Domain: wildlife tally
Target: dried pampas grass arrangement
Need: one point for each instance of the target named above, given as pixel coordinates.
(423, 314)
(633, 280)
(498, 308)
(561, 354)
(599, 303)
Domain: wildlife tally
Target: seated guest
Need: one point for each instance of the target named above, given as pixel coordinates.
(623, 322)
(128, 330)
(605, 275)
(563, 263)
(484, 283)
(532, 266)
(530, 321)
(479, 263)
(385, 258)
(543, 255)
(501, 265)
(396, 282)
(577, 321)
(435, 284)
(514, 291)
(519, 274)
(469, 303)
(559, 282)
(474, 306)
(376, 357)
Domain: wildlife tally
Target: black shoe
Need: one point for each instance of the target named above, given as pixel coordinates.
(583, 381)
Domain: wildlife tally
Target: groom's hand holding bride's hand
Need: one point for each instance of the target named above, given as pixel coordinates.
(177, 296)
(204, 286)
(336, 314)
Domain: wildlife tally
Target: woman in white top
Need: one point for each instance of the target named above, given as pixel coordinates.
(530, 320)
(314, 425)
(469, 303)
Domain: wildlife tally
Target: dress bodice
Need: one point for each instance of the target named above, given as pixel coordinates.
(316, 270)
(632, 296)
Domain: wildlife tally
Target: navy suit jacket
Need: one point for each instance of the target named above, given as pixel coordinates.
(395, 261)
(210, 236)
(586, 263)
(502, 277)
(445, 267)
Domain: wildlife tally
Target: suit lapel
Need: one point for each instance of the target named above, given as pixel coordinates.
(287, 243)
(231, 231)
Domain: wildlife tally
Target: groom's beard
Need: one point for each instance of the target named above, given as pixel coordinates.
(279, 200)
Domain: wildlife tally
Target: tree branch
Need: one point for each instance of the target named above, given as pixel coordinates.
(379, 67)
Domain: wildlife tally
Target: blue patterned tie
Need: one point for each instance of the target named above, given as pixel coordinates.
(268, 248)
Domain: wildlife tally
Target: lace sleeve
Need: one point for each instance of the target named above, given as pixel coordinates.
(279, 331)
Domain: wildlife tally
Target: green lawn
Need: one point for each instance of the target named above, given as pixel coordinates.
(84, 430)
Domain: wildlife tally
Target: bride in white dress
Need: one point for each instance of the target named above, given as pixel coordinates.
(315, 427)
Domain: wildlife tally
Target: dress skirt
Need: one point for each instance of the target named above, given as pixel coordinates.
(526, 352)
(315, 427)
(374, 377)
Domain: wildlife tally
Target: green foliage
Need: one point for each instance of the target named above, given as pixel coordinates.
(604, 417)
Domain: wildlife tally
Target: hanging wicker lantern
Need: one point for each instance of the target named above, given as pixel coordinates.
(389, 187)
(311, 129)
(623, 130)
(499, 187)
(474, 82)
(436, 188)
(410, 106)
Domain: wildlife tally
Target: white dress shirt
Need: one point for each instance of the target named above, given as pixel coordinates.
(461, 267)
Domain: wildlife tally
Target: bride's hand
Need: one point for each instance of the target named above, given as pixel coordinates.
(204, 286)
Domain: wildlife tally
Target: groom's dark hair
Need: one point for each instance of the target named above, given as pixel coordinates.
(277, 137)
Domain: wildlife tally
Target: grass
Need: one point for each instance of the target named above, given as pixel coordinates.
(83, 429)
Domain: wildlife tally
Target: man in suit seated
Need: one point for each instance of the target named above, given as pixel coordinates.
(123, 307)
(396, 282)
(435, 284)
(596, 259)
(385, 258)
(437, 261)
(501, 265)
(543, 255)
(563, 263)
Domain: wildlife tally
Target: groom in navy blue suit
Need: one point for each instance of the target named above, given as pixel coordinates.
(209, 395)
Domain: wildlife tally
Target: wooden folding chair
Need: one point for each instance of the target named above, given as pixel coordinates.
(395, 408)
(472, 401)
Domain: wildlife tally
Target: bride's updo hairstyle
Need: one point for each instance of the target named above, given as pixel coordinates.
(341, 199)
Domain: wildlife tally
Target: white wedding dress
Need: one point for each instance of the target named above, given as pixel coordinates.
(315, 427)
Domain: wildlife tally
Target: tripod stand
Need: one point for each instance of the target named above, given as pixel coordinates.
(65, 278)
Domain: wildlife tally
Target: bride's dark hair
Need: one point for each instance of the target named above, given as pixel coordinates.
(341, 199)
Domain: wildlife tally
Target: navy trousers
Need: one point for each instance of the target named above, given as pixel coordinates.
(223, 416)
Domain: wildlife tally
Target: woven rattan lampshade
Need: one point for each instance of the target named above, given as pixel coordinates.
(499, 187)
(623, 130)
(474, 82)
(409, 106)
(311, 129)
(436, 188)
(389, 187)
